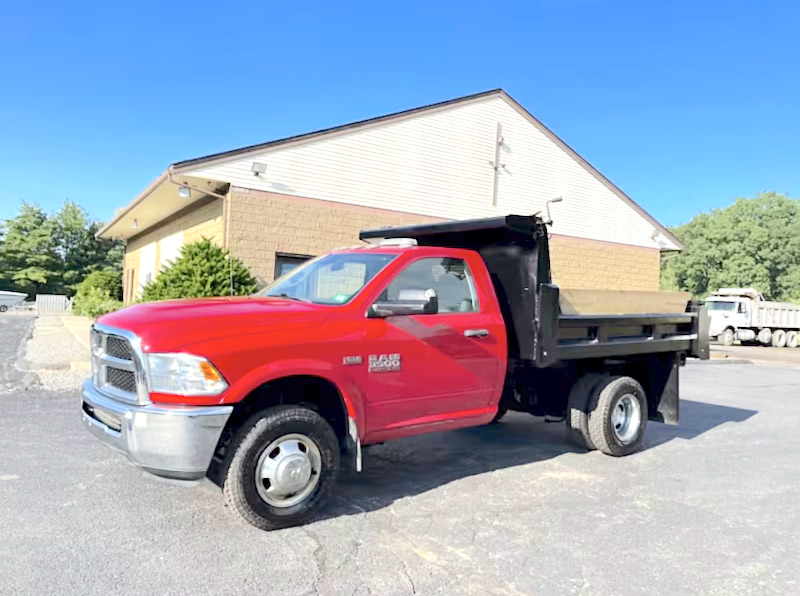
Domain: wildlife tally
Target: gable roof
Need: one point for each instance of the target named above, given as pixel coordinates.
(182, 166)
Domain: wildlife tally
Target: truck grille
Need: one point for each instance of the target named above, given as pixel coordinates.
(118, 347)
(114, 365)
(123, 380)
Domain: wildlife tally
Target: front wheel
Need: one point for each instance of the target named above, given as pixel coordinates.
(726, 337)
(618, 416)
(284, 465)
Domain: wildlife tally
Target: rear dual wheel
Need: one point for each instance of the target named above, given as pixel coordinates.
(613, 417)
(779, 338)
(792, 339)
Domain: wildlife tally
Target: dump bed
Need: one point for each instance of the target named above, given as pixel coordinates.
(516, 253)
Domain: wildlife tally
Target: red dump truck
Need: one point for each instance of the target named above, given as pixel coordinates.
(430, 328)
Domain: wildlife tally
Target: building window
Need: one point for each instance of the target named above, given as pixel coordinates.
(285, 263)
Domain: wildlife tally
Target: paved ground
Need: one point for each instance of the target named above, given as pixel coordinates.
(710, 507)
(759, 354)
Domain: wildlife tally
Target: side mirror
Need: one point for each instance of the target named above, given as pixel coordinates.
(409, 302)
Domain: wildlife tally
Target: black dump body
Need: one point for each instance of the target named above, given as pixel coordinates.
(515, 250)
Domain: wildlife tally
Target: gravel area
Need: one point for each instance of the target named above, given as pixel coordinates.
(49, 352)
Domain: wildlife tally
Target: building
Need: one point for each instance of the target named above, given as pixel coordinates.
(275, 204)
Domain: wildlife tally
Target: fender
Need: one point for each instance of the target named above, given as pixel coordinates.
(352, 395)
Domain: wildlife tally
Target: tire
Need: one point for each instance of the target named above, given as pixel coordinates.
(765, 336)
(280, 429)
(608, 433)
(779, 338)
(726, 337)
(577, 418)
(792, 339)
(3, 308)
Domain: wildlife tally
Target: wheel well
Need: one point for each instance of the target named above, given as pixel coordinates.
(309, 391)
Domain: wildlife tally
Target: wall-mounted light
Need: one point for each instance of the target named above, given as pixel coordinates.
(259, 168)
(135, 224)
(184, 192)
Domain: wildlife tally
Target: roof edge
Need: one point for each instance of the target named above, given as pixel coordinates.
(591, 169)
(138, 199)
(214, 157)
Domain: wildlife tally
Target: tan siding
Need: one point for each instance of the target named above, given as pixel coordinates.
(263, 224)
(582, 263)
(204, 222)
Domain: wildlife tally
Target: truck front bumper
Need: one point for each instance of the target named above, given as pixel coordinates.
(175, 442)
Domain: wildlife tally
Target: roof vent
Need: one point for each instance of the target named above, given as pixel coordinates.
(398, 242)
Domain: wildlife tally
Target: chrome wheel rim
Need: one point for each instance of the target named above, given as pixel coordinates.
(626, 418)
(288, 470)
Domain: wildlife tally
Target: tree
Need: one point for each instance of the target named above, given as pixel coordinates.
(80, 251)
(201, 269)
(53, 254)
(752, 243)
(29, 258)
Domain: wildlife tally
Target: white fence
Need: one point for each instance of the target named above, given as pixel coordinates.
(52, 303)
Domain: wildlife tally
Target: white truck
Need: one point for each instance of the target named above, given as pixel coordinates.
(743, 314)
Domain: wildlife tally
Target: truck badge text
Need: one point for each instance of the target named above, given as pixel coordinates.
(384, 362)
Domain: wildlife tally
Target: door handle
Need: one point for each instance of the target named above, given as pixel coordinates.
(476, 333)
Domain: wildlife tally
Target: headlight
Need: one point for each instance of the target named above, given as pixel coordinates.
(184, 374)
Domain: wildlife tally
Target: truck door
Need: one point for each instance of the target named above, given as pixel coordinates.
(427, 369)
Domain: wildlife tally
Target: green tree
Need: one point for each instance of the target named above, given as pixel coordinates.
(752, 243)
(81, 252)
(29, 256)
(201, 269)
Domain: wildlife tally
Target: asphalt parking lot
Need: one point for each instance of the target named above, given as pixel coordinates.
(709, 507)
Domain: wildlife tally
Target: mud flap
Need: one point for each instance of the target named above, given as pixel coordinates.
(354, 443)
(663, 398)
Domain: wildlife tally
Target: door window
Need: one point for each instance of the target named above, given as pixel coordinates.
(449, 278)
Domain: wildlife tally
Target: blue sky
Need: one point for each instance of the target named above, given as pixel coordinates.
(684, 105)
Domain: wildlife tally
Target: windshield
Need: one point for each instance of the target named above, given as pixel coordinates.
(330, 279)
(727, 306)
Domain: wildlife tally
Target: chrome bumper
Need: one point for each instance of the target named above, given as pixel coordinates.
(174, 442)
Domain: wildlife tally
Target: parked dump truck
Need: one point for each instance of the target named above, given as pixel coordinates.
(743, 314)
(435, 327)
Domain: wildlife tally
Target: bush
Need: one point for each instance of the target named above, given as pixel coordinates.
(107, 280)
(202, 269)
(94, 302)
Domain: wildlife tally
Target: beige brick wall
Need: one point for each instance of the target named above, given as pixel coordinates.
(256, 225)
(592, 264)
(204, 221)
(262, 224)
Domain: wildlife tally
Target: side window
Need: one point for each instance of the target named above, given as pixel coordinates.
(449, 278)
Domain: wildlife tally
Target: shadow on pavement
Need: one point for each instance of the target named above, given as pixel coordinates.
(413, 466)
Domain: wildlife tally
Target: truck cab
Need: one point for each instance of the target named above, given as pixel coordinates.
(427, 328)
(730, 309)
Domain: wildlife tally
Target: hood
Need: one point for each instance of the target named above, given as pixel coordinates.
(170, 325)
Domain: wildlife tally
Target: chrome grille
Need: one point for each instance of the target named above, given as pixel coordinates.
(118, 347)
(114, 365)
(124, 380)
